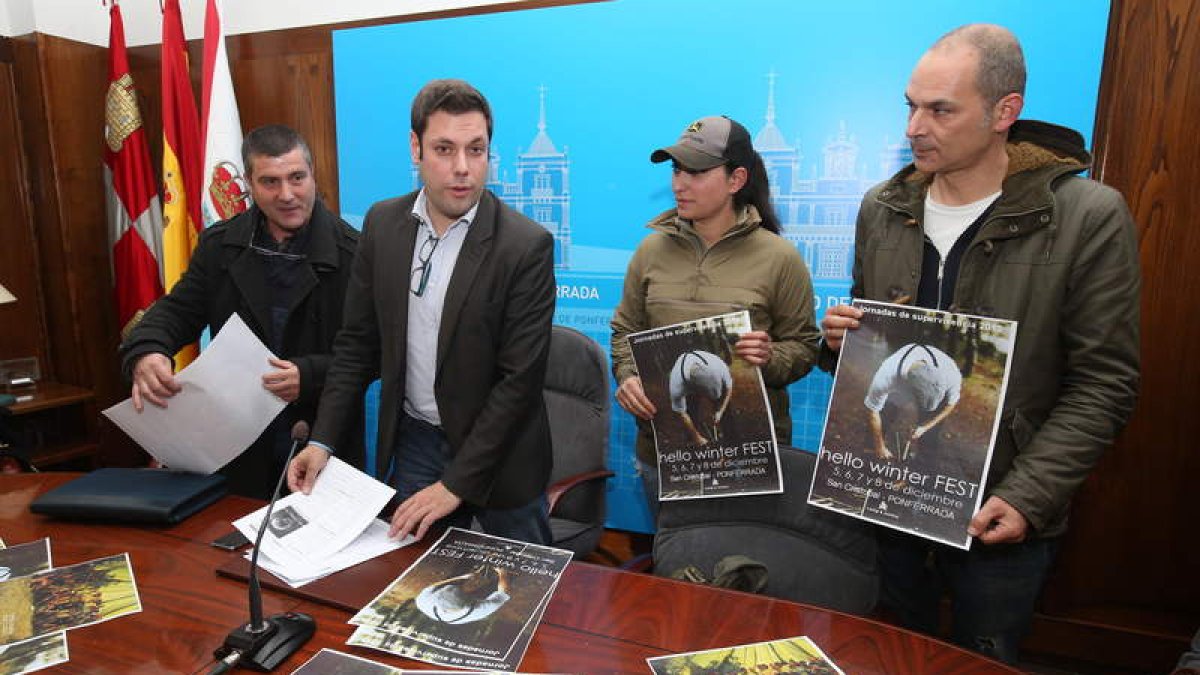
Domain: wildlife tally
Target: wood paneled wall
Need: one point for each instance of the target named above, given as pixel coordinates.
(292, 75)
(1132, 556)
(1125, 594)
(22, 327)
(60, 88)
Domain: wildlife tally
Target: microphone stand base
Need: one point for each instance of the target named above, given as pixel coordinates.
(285, 635)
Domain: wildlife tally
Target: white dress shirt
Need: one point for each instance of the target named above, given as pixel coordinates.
(425, 310)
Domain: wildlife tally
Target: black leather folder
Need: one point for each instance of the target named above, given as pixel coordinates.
(132, 495)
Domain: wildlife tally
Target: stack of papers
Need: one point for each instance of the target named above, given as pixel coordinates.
(332, 661)
(471, 601)
(314, 535)
(373, 541)
(38, 603)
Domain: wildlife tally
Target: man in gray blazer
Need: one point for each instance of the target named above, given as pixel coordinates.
(450, 302)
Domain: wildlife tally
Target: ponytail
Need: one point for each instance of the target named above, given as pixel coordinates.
(757, 193)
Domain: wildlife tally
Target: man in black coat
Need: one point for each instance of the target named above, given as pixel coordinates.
(450, 303)
(283, 267)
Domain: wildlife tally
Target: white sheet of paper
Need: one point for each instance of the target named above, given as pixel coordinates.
(308, 529)
(373, 542)
(220, 410)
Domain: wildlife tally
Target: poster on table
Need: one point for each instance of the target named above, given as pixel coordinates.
(472, 600)
(43, 651)
(332, 662)
(790, 655)
(913, 418)
(59, 599)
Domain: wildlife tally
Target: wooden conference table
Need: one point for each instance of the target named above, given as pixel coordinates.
(600, 620)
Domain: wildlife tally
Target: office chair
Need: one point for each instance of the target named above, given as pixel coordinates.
(577, 402)
(812, 555)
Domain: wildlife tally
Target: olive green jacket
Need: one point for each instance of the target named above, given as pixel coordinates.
(673, 278)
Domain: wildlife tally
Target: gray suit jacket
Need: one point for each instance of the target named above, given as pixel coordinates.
(491, 356)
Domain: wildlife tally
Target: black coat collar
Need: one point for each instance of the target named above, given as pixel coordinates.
(323, 243)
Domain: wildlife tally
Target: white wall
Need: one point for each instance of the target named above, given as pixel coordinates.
(87, 20)
(16, 17)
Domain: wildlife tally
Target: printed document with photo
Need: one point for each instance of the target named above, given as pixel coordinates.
(373, 542)
(60, 599)
(789, 655)
(305, 530)
(23, 560)
(395, 643)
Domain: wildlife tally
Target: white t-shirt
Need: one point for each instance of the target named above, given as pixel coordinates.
(945, 224)
(698, 373)
(940, 383)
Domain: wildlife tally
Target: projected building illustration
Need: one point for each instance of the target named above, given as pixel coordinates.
(542, 189)
(818, 211)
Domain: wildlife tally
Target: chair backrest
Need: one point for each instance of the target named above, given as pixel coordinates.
(812, 555)
(577, 403)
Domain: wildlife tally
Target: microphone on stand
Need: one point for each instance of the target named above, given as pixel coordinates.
(264, 643)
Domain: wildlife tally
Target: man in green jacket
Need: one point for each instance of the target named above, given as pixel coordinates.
(991, 219)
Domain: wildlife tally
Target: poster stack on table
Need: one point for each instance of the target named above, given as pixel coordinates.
(790, 655)
(913, 418)
(471, 601)
(38, 603)
(713, 427)
(333, 662)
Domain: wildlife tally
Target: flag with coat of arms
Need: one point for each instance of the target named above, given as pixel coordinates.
(134, 213)
(225, 191)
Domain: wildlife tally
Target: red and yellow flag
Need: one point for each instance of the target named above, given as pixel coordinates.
(134, 214)
(182, 158)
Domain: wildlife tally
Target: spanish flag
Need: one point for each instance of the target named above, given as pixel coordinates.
(182, 157)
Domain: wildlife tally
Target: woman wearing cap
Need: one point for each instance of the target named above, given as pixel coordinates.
(718, 251)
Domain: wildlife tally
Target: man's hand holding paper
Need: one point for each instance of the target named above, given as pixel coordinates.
(218, 408)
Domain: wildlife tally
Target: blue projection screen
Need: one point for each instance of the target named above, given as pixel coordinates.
(582, 94)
